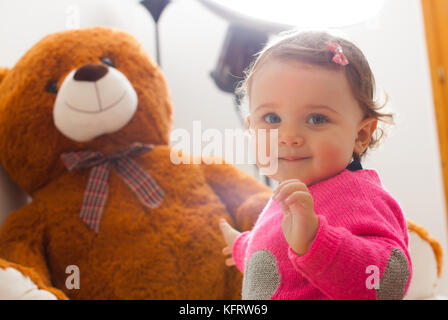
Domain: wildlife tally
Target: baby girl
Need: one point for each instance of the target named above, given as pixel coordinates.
(330, 230)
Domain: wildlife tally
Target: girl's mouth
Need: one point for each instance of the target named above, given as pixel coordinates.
(294, 158)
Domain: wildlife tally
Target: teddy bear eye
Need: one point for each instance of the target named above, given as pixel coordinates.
(107, 61)
(52, 87)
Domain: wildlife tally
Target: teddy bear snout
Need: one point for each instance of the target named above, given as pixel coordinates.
(94, 100)
(90, 72)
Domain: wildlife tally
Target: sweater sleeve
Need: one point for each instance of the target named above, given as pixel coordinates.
(239, 250)
(374, 264)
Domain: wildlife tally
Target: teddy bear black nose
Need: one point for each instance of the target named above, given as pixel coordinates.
(90, 72)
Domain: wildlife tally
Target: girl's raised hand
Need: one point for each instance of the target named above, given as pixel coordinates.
(300, 222)
(230, 236)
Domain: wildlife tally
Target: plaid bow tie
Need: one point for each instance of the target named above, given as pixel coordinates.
(95, 195)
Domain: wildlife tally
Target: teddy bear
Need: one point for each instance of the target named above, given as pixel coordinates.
(85, 120)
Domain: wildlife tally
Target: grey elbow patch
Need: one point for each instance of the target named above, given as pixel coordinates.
(261, 276)
(395, 277)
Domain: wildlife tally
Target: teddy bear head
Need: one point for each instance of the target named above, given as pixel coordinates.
(87, 89)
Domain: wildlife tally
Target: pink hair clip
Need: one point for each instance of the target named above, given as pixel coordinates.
(339, 56)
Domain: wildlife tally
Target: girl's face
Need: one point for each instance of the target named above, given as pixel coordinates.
(319, 121)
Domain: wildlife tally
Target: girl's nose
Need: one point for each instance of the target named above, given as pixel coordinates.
(291, 140)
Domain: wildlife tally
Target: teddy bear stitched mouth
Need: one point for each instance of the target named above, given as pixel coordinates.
(101, 110)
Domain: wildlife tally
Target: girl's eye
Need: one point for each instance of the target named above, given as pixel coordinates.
(107, 61)
(271, 118)
(317, 119)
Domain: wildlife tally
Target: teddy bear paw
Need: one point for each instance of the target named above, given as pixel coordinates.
(15, 286)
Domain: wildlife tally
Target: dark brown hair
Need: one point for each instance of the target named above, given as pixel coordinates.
(309, 47)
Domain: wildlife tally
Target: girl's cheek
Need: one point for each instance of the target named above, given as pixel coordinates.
(260, 125)
(262, 142)
(332, 149)
(266, 146)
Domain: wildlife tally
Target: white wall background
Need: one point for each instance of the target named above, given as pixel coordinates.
(191, 39)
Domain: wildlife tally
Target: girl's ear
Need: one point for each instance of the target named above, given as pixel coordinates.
(3, 72)
(365, 131)
(247, 123)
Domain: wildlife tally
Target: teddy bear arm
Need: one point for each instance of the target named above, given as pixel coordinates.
(247, 214)
(243, 195)
(22, 259)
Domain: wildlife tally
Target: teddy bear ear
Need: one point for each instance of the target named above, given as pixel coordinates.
(3, 72)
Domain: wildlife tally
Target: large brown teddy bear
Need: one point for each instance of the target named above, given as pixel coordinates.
(85, 119)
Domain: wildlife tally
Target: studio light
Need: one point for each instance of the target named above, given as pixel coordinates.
(285, 14)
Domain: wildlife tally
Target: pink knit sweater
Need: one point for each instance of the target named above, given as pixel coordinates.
(360, 250)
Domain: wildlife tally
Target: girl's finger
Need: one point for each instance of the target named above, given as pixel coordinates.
(285, 209)
(282, 185)
(290, 188)
(230, 262)
(300, 198)
(296, 196)
(227, 251)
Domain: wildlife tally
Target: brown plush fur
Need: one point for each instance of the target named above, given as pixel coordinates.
(3, 72)
(172, 252)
